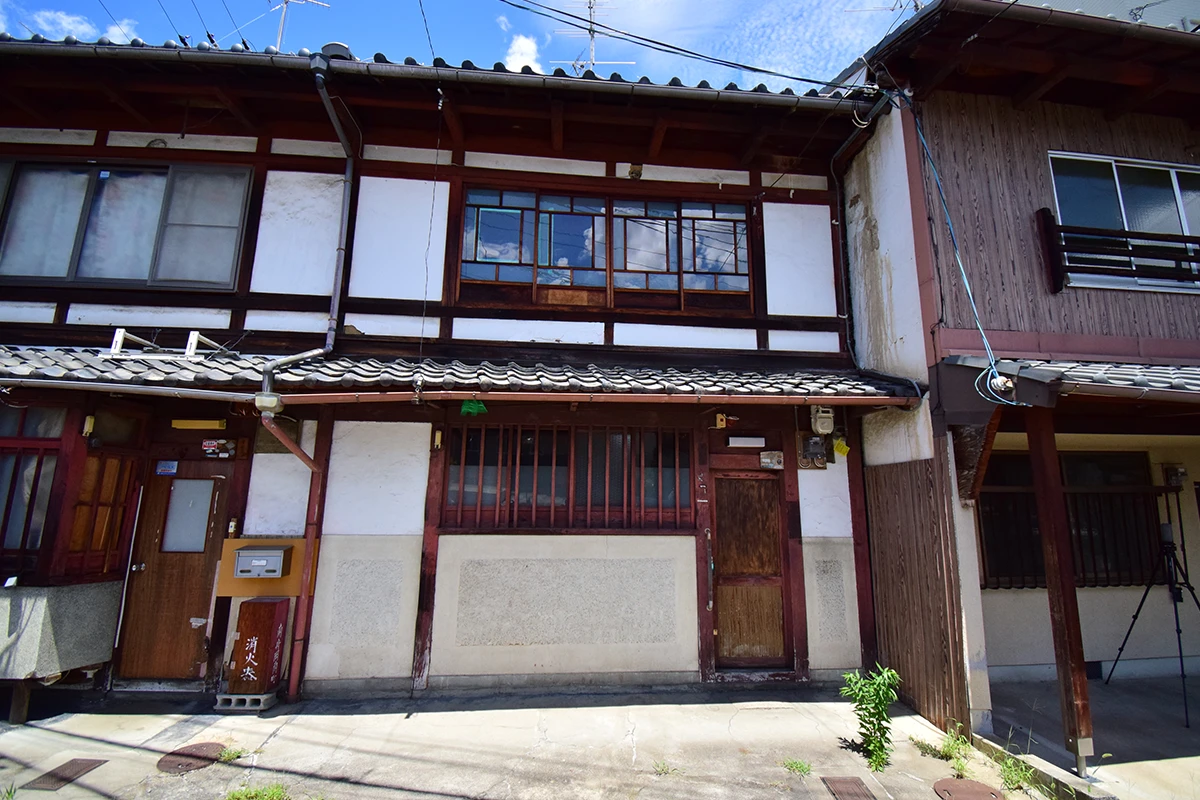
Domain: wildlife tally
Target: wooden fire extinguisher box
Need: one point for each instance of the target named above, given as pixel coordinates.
(257, 663)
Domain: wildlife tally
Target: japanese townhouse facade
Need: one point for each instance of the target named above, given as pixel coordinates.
(1067, 150)
(541, 378)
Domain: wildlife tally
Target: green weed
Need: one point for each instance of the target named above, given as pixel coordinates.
(231, 754)
(872, 694)
(797, 767)
(662, 768)
(275, 791)
(9, 793)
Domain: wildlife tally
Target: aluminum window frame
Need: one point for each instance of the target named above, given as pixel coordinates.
(152, 280)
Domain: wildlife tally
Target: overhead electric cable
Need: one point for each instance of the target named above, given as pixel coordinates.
(245, 44)
(171, 22)
(114, 19)
(437, 157)
(211, 39)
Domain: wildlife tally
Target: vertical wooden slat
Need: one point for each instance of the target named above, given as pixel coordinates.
(641, 479)
(429, 551)
(479, 476)
(572, 457)
(515, 505)
(553, 470)
(607, 474)
(590, 488)
(533, 494)
(703, 517)
(1060, 580)
(462, 474)
(659, 479)
(676, 434)
(30, 505)
(626, 482)
(500, 431)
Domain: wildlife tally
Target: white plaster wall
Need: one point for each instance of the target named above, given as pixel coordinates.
(804, 341)
(365, 608)
(557, 166)
(277, 501)
(393, 226)
(378, 473)
(885, 296)
(414, 155)
(19, 311)
(308, 321)
(47, 136)
(799, 258)
(523, 330)
(297, 235)
(637, 335)
(781, 180)
(526, 605)
(394, 325)
(191, 141)
(654, 172)
(825, 501)
(831, 604)
(893, 436)
(303, 147)
(148, 316)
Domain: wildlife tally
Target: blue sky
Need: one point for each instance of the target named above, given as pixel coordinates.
(811, 38)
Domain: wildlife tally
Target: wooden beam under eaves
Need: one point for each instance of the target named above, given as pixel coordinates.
(556, 126)
(927, 86)
(752, 148)
(656, 138)
(1134, 99)
(453, 123)
(15, 99)
(1035, 88)
(237, 109)
(122, 102)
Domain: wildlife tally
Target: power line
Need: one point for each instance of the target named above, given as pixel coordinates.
(583, 24)
(425, 19)
(171, 22)
(245, 44)
(211, 39)
(114, 19)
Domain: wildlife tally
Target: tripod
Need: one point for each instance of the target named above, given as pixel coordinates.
(1177, 580)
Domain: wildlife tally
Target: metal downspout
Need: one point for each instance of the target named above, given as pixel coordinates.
(319, 471)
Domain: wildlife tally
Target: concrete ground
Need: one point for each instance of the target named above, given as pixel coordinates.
(1137, 721)
(670, 743)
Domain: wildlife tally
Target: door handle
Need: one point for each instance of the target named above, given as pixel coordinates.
(712, 568)
(137, 567)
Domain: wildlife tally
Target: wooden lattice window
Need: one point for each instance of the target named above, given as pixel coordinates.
(101, 522)
(513, 476)
(29, 448)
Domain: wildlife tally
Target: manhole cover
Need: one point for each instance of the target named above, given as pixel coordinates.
(190, 758)
(66, 773)
(957, 789)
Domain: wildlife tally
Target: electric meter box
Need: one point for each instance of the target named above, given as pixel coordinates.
(262, 561)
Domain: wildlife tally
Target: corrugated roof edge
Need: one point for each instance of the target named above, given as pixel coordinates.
(835, 103)
(915, 26)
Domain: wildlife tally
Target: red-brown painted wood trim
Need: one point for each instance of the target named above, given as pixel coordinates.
(429, 554)
(864, 588)
(922, 238)
(796, 598)
(313, 524)
(1055, 530)
(64, 491)
(1068, 347)
(702, 483)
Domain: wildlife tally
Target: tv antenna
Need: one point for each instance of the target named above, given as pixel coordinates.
(579, 65)
(283, 17)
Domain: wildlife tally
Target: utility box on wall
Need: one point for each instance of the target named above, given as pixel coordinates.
(257, 663)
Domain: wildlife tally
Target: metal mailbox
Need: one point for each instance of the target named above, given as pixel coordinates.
(262, 561)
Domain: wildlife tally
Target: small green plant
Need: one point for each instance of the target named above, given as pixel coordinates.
(797, 767)
(662, 768)
(9, 793)
(955, 748)
(1014, 773)
(872, 694)
(231, 754)
(274, 791)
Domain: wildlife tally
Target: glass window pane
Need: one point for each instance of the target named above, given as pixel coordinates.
(554, 203)
(629, 280)
(589, 205)
(468, 253)
(668, 283)
(629, 208)
(187, 515)
(589, 277)
(483, 197)
(499, 235)
(516, 274)
(1189, 188)
(1149, 196)
(730, 211)
(479, 272)
(699, 283)
(662, 210)
(554, 277)
(743, 248)
(122, 225)
(1087, 193)
(207, 198)
(7, 463)
(694, 210)
(600, 237)
(715, 247)
(520, 200)
(10, 421)
(44, 423)
(27, 471)
(197, 254)
(646, 245)
(543, 228)
(1105, 469)
(44, 217)
(41, 504)
(733, 283)
(570, 241)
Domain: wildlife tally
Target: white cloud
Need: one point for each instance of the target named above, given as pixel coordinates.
(60, 24)
(503, 22)
(3, 20)
(522, 52)
(123, 32)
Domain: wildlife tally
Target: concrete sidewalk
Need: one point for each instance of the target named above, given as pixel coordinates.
(709, 743)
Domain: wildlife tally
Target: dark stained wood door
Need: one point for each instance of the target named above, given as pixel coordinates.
(178, 543)
(748, 573)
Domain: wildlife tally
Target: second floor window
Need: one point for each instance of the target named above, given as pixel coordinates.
(172, 226)
(604, 251)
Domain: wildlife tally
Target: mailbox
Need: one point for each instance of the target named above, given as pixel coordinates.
(262, 561)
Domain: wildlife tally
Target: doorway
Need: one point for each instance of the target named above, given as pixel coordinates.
(750, 604)
(174, 558)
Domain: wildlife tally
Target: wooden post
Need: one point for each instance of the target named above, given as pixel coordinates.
(18, 708)
(862, 543)
(423, 644)
(1055, 531)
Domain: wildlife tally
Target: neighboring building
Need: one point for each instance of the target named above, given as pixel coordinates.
(545, 297)
(1068, 153)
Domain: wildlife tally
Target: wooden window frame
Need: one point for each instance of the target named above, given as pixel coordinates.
(152, 281)
(610, 297)
(631, 512)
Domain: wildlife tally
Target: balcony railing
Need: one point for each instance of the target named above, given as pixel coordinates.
(1144, 257)
(1115, 535)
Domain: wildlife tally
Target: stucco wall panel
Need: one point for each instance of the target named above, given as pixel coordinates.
(825, 501)
(277, 501)
(638, 335)
(799, 259)
(297, 234)
(391, 211)
(378, 473)
(831, 604)
(525, 605)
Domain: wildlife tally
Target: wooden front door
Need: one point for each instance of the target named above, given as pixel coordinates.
(176, 548)
(750, 604)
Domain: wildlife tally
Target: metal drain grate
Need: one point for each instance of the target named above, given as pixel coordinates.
(848, 788)
(63, 774)
(961, 789)
(190, 758)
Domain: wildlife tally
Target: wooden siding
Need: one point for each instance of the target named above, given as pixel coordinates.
(918, 612)
(995, 169)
